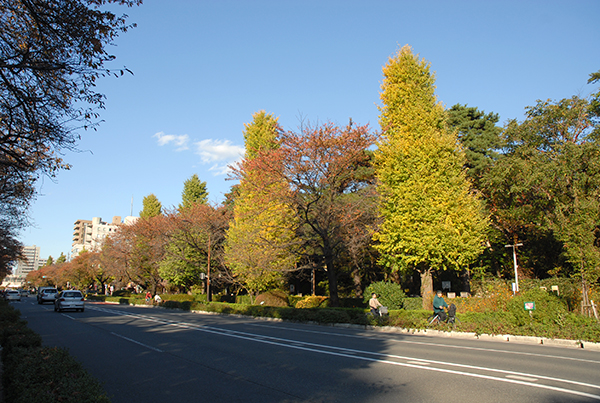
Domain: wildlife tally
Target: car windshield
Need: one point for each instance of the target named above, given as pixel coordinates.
(72, 294)
(50, 291)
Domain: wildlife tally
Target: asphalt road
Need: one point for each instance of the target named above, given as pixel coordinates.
(155, 355)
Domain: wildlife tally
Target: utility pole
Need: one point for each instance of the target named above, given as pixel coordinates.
(514, 248)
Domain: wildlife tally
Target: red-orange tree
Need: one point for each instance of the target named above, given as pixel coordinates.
(323, 167)
(138, 248)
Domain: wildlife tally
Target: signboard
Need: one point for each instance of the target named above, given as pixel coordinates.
(446, 285)
(529, 306)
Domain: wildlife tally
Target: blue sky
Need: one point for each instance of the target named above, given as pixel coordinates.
(202, 68)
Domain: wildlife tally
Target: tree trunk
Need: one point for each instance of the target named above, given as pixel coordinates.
(465, 278)
(427, 288)
(334, 300)
(358, 290)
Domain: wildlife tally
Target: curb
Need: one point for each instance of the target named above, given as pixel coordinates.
(487, 337)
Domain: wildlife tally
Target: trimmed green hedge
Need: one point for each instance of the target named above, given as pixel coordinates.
(34, 373)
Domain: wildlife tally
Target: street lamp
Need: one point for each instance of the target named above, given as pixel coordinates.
(514, 248)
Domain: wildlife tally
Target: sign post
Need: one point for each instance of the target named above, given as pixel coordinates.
(530, 307)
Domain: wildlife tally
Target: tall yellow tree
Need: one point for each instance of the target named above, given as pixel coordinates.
(430, 220)
(260, 239)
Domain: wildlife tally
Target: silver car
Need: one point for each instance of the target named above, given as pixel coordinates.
(12, 295)
(47, 295)
(69, 299)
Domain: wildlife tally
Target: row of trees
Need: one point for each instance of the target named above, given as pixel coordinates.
(434, 192)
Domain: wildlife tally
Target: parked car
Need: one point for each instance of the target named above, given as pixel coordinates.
(69, 299)
(47, 294)
(12, 295)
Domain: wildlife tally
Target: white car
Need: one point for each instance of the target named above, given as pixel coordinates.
(69, 299)
(12, 295)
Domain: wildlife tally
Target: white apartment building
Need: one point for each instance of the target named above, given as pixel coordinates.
(89, 234)
(31, 261)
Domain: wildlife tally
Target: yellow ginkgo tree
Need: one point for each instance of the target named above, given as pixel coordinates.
(430, 219)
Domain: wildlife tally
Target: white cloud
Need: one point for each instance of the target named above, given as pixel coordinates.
(180, 141)
(218, 150)
(219, 153)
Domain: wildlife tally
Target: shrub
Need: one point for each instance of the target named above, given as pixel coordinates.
(549, 309)
(177, 297)
(272, 298)
(52, 375)
(389, 294)
(409, 319)
(122, 293)
(312, 301)
(32, 373)
(413, 303)
(17, 335)
(352, 303)
(569, 289)
(243, 299)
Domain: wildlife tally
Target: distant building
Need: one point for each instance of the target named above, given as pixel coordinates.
(31, 261)
(89, 235)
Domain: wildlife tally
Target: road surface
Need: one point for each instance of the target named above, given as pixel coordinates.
(156, 355)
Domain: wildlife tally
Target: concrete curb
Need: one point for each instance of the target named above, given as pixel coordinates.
(496, 338)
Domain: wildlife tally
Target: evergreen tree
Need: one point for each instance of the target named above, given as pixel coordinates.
(61, 259)
(480, 137)
(151, 207)
(50, 261)
(431, 221)
(194, 191)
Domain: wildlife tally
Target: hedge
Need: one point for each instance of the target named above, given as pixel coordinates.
(35, 373)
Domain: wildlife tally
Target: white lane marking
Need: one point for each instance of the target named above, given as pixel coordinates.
(137, 342)
(492, 350)
(349, 353)
(522, 378)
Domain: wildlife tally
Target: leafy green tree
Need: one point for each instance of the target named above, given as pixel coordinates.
(49, 262)
(431, 220)
(61, 259)
(151, 207)
(194, 191)
(260, 238)
(549, 179)
(196, 246)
